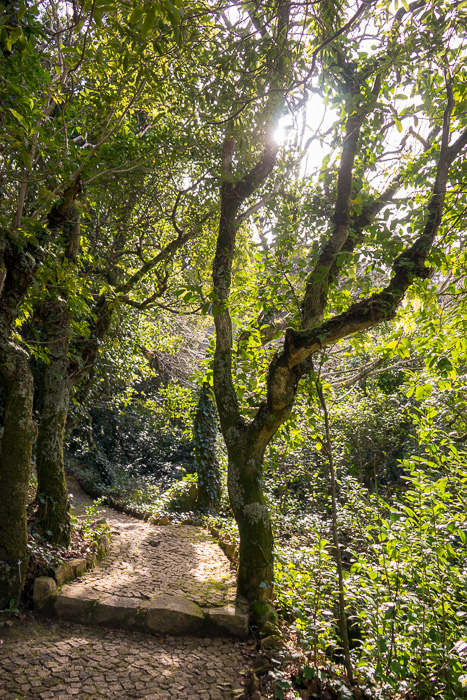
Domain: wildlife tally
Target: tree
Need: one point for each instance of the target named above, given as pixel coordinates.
(58, 71)
(350, 225)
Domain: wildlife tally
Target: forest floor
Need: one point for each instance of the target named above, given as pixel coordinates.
(42, 660)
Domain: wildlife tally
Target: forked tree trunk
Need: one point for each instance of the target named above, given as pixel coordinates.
(15, 464)
(52, 492)
(247, 440)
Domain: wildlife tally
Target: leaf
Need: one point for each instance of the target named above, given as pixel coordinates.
(149, 21)
(20, 118)
(136, 14)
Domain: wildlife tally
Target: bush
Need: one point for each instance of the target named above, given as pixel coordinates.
(405, 583)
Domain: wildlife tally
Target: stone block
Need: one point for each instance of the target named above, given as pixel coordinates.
(79, 565)
(229, 619)
(75, 604)
(63, 573)
(44, 588)
(231, 550)
(116, 611)
(268, 629)
(103, 541)
(262, 664)
(173, 615)
(272, 643)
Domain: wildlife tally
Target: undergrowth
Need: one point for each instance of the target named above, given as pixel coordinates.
(405, 574)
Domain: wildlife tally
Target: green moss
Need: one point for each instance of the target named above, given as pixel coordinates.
(263, 613)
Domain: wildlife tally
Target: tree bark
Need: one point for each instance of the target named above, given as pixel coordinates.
(52, 492)
(245, 483)
(19, 428)
(245, 452)
(246, 441)
(19, 261)
(15, 465)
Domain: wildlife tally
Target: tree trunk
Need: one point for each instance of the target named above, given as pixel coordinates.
(18, 262)
(15, 463)
(204, 439)
(19, 429)
(52, 492)
(245, 482)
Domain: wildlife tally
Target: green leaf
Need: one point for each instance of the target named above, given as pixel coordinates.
(20, 118)
(149, 21)
(136, 14)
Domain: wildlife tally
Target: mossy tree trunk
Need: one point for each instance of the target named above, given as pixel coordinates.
(52, 492)
(204, 440)
(54, 395)
(255, 569)
(15, 462)
(245, 442)
(19, 429)
(19, 260)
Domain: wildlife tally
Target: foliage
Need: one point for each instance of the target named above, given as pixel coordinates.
(404, 581)
(44, 556)
(180, 497)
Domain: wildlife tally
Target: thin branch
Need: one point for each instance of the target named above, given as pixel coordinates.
(256, 207)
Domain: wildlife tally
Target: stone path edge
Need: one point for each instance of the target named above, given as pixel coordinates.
(163, 614)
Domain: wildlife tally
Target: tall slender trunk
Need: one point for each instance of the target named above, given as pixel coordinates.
(52, 492)
(54, 318)
(19, 429)
(335, 535)
(15, 463)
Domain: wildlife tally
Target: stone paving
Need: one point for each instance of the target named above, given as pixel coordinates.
(147, 560)
(50, 661)
(171, 579)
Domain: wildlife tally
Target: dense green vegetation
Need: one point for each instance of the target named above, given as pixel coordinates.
(232, 254)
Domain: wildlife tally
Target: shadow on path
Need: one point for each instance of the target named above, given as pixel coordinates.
(51, 661)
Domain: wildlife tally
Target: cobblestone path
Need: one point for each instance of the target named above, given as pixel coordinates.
(51, 661)
(147, 560)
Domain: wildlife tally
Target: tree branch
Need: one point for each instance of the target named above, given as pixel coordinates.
(288, 366)
(315, 298)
